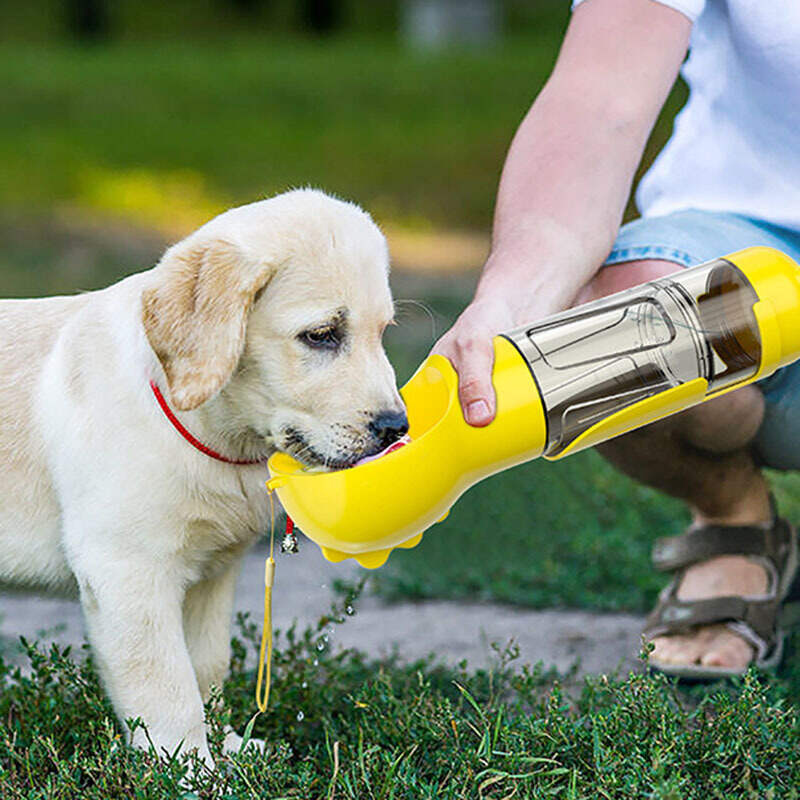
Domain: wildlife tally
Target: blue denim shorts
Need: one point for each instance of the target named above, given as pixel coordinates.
(692, 237)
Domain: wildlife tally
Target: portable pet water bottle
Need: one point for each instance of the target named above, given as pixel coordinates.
(563, 384)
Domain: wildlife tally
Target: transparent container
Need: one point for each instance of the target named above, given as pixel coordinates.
(599, 358)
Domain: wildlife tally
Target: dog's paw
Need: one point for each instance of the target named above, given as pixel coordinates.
(233, 742)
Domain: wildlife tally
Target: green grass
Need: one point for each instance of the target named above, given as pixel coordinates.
(145, 129)
(44, 21)
(342, 726)
(407, 134)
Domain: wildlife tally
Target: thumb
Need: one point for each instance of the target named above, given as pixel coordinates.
(475, 391)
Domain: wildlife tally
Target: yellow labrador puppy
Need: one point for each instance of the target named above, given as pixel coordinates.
(260, 331)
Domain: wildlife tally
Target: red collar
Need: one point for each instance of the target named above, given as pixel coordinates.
(170, 415)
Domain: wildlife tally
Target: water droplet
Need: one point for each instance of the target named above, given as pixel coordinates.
(316, 662)
(349, 610)
(300, 716)
(321, 644)
(304, 684)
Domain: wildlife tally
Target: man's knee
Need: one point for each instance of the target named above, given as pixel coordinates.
(725, 424)
(617, 277)
(720, 426)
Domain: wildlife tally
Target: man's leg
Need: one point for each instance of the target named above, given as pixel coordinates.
(701, 456)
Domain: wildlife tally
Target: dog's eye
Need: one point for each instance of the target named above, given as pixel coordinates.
(326, 338)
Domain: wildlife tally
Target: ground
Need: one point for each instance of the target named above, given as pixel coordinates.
(453, 631)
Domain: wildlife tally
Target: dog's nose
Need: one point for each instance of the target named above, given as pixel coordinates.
(389, 426)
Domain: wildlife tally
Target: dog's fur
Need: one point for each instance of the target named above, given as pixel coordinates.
(98, 491)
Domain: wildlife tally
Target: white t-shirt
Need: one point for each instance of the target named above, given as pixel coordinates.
(736, 143)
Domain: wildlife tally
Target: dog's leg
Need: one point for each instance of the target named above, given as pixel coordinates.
(207, 612)
(134, 618)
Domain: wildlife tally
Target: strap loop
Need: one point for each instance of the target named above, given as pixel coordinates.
(264, 679)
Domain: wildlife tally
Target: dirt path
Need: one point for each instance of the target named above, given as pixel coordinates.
(452, 631)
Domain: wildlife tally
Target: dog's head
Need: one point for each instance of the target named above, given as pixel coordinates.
(275, 312)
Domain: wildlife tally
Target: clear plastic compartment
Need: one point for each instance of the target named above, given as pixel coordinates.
(602, 357)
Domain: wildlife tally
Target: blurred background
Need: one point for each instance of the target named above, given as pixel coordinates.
(125, 124)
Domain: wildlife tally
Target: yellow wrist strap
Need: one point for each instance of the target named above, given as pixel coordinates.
(262, 699)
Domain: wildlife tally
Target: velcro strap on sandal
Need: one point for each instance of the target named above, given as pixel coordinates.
(676, 552)
(674, 616)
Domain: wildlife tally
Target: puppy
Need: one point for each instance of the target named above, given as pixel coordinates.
(261, 331)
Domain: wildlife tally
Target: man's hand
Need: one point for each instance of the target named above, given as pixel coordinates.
(509, 295)
(468, 345)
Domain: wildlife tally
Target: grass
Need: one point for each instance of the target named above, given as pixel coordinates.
(342, 726)
(410, 135)
(165, 133)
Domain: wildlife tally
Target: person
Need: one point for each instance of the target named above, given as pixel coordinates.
(728, 178)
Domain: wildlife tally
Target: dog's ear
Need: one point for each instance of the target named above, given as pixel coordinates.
(195, 315)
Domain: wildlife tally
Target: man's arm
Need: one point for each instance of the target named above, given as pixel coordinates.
(567, 177)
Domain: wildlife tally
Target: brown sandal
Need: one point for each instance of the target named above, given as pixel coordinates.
(759, 619)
